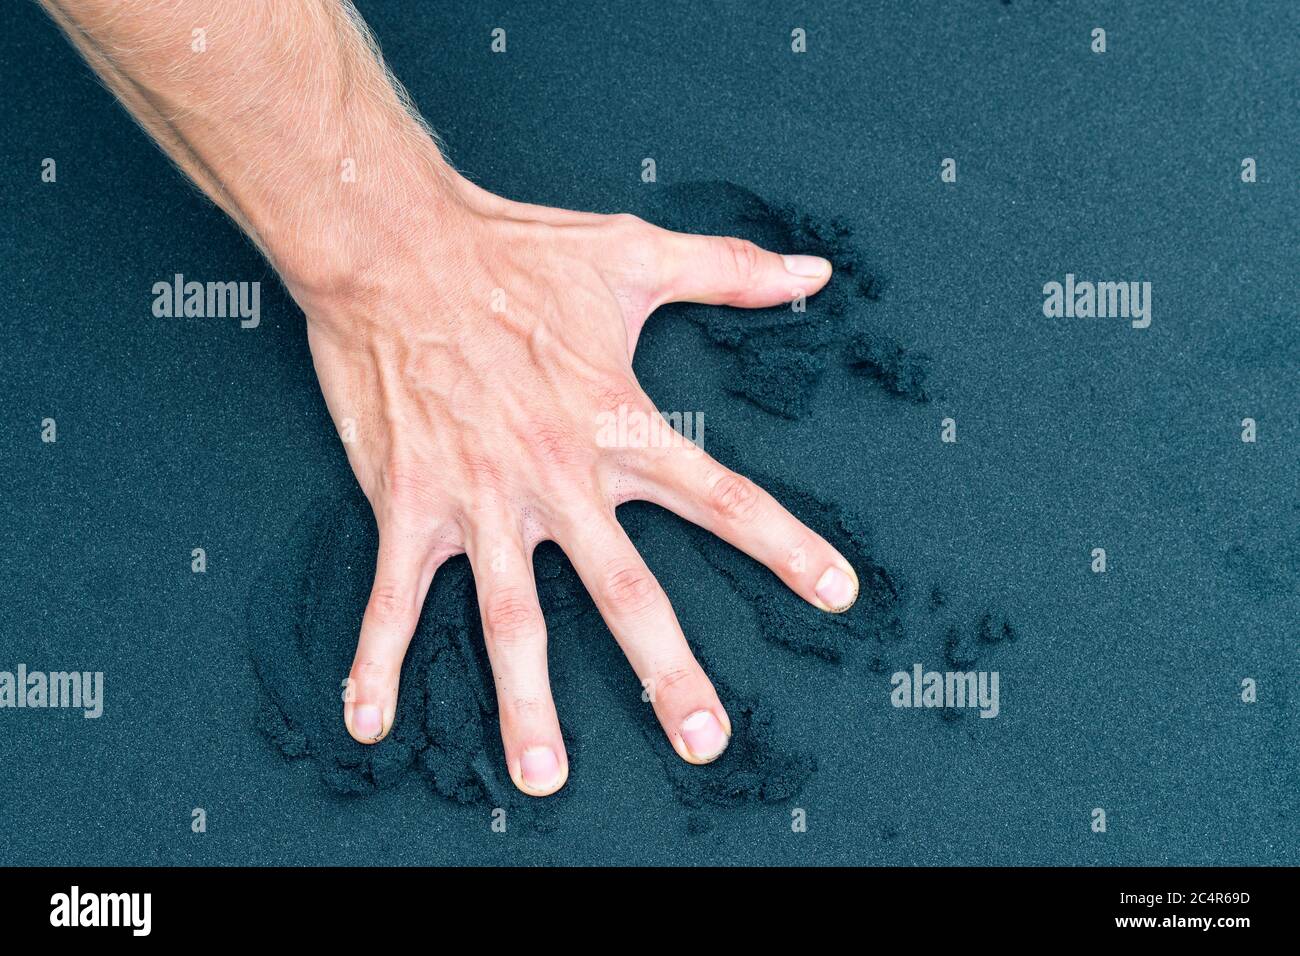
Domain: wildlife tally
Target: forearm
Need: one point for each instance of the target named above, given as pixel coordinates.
(282, 112)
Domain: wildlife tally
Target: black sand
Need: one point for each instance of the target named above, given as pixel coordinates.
(1120, 691)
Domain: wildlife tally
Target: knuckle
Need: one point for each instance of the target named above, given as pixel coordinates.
(671, 676)
(370, 672)
(800, 554)
(743, 258)
(630, 589)
(511, 618)
(638, 247)
(528, 709)
(389, 604)
(734, 498)
(628, 221)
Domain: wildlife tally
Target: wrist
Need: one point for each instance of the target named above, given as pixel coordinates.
(354, 210)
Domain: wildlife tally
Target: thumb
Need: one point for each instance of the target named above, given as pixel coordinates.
(723, 270)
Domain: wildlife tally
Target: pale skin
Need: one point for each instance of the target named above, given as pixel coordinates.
(466, 345)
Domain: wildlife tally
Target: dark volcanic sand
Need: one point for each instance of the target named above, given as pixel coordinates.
(1119, 691)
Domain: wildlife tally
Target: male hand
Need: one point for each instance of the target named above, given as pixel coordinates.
(470, 371)
(469, 349)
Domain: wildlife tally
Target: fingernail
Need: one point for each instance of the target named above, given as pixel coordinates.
(836, 589)
(367, 721)
(539, 767)
(704, 736)
(810, 267)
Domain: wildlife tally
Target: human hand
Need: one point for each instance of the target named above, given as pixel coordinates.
(469, 370)
(468, 348)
